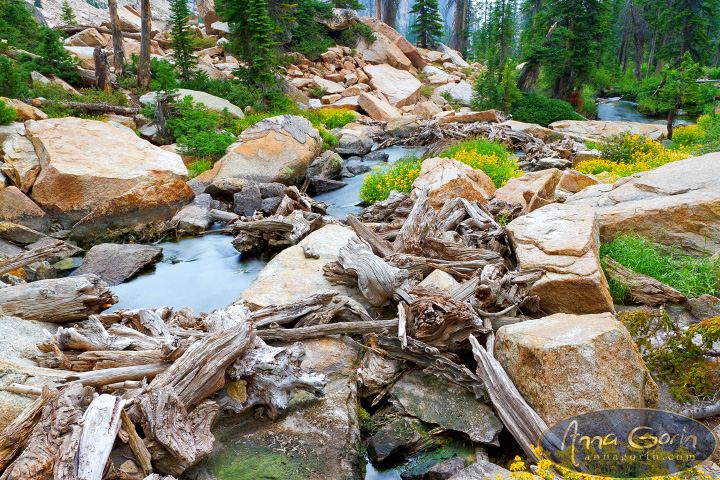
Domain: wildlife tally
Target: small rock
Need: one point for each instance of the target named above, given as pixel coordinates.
(392, 438)
(270, 205)
(16, 207)
(247, 201)
(439, 279)
(321, 184)
(377, 156)
(353, 142)
(115, 263)
(445, 469)
(482, 470)
(402, 127)
(533, 190)
(269, 190)
(550, 162)
(357, 169)
(225, 188)
(704, 306)
(194, 218)
(19, 234)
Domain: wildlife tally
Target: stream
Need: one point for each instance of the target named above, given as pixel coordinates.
(616, 109)
(205, 273)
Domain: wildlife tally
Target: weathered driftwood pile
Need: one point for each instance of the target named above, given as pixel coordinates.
(164, 374)
(437, 135)
(296, 217)
(148, 384)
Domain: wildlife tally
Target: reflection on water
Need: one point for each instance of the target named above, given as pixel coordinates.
(372, 474)
(346, 200)
(201, 273)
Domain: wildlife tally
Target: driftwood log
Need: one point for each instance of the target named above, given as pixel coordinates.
(642, 289)
(100, 425)
(57, 300)
(35, 255)
(91, 107)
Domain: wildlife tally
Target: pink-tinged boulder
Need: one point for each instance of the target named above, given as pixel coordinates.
(407, 48)
(400, 87)
(564, 242)
(17, 208)
(377, 109)
(533, 190)
(564, 365)
(86, 164)
(447, 178)
(382, 51)
(675, 205)
(23, 111)
(276, 149)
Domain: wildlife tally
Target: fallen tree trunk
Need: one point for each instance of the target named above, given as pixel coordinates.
(92, 107)
(100, 425)
(642, 289)
(520, 419)
(319, 331)
(57, 300)
(107, 376)
(35, 255)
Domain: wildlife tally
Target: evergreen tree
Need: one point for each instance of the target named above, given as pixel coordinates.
(428, 26)
(68, 16)
(53, 58)
(253, 40)
(686, 25)
(38, 3)
(681, 90)
(182, 53)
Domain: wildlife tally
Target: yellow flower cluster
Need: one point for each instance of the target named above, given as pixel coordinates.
(378, 184)
(499, 168)
(629, 154)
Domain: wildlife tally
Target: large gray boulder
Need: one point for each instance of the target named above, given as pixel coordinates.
(114, 263)
(461, 92)
(565, 365)
(276, 149)
(213, 103)
(675, 205)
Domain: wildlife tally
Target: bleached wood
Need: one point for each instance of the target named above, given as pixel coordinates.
(136, 444)
(101, 423)
(31, 256)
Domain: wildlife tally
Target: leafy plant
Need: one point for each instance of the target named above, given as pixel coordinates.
(534, 108)
(7, 113)
(12, 81)
(446, 96)
(350, 36)
(308, 36)
(426, 91)
(68, 16)
(17, 25)
(685, 359)
(378, 184)
(197, 130)
(490, 157)
(328, 138)
(199, 166)
(316, 92)
(53, 58)
(163, 77)
(330, 117)
(690, 276)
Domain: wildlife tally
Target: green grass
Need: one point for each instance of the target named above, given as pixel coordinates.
(690, 276)
(199, 166)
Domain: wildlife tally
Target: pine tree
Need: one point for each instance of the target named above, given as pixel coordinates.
(38, 3)
(681, 90)
(428, 26)
(253, 39)
(182, 53)
(68, 16)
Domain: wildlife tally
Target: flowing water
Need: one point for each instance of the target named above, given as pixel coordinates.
(346, 200)
(618, 110)
(204, 273)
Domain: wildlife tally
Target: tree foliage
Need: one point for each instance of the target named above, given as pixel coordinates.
(182, 53)
(68, 16)
(428, 26)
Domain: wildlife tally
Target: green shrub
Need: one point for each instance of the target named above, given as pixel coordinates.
(681, 358)
(330, 117)
(427, 91)
(53, 58)
(534, 108)
(378, 184)
(350, 37)
(242, 94)
(329, 140)
(7, 113)
(589, 108)
(197, 130)
(690, 276)
(316, 92)
(199, 166)
(17, 25)
(13, 84)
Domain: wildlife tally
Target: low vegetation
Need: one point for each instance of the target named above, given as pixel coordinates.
(534, 108)
(625, 154)
(329, 118)
(690, 276)
(684, 359)
(7, 113)
(378, 184)
(490, 157)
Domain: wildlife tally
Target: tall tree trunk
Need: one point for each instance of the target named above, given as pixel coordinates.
(378, 9)
(458, 23)
(671, 119)
(119, 53)
(390, 8)
(144, 63)
(638, 43)
(651, 57)
(626, 47)
(102, 71)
